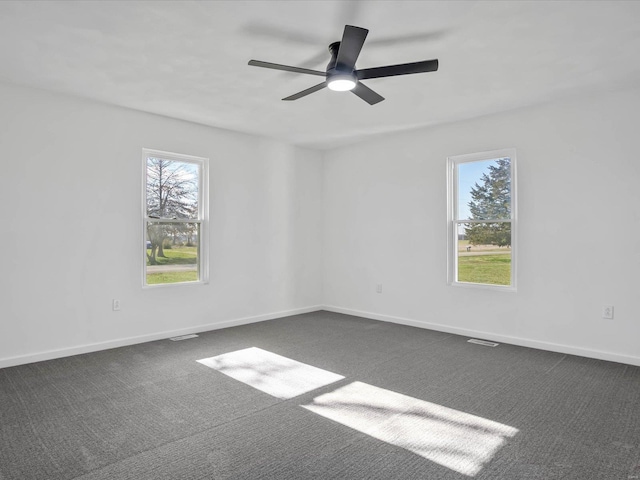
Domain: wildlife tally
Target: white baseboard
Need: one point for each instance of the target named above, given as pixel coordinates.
(122, 342)
(523, 342)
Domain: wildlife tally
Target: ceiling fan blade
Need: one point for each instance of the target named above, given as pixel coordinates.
(402, 69)
(407, 38)
(350, 46)
(286, 68)
(306, 92)
(282, 34)
(366, 94)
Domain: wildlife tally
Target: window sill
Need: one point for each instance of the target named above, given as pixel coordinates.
(484, 286)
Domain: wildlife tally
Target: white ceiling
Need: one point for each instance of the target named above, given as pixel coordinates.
(188, 60)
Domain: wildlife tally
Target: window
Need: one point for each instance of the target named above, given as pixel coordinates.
(482, 219)
(175, 210)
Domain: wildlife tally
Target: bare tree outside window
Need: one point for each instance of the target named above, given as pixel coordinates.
(174, 216)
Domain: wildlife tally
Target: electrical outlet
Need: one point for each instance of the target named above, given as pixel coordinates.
(115, 304)
(379, 288)
(607, 311)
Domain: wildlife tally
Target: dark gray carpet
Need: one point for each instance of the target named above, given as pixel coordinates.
(150, 411)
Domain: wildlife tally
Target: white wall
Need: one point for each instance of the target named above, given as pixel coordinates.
(291, 231)
(579, 224)
(70, 210)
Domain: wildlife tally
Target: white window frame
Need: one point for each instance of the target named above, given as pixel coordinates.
(202, 219)
(453, 222)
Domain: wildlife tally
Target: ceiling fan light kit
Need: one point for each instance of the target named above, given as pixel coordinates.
(342, 82)
(341, 74)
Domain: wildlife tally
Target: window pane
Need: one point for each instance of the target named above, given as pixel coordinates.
(172, 188)
(484, 253)
(172, 252)
(484, 190)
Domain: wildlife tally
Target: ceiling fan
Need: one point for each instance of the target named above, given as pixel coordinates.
(341, 73)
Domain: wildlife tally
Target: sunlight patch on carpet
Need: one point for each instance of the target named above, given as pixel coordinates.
(271, 373)
(451, 438)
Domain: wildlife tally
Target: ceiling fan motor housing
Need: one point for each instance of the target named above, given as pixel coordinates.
(336, 72)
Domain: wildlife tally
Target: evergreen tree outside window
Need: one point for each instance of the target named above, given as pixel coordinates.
(482, 219)
(175, 216)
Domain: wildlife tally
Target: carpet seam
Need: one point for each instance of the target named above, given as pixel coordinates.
(199, 432)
